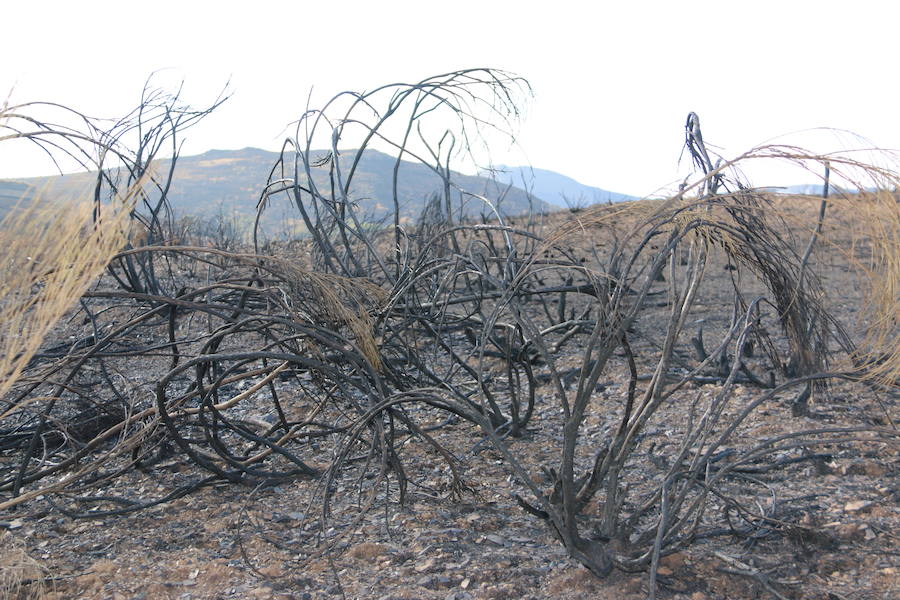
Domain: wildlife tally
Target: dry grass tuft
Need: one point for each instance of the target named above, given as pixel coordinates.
(367, 551)
(49, 255)
(873, 210)
(336, 300)
(873, 219)
(21, 577)
(879, 219)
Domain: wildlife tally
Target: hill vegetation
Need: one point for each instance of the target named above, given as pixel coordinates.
(227, 184)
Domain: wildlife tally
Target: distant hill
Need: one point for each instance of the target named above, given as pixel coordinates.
(11, 192)
(230, 181)
(812, 189)
(805, 189)
(555, 188)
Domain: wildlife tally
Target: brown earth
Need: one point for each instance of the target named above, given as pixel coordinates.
(837, 537)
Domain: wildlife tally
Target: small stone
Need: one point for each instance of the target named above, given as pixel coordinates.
(272, 571)
(858, 505)
(422, 567)
(673, 561)
(865, 467)
(434, 582)
(851, 531)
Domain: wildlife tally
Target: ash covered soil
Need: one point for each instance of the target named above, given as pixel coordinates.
(831, 532)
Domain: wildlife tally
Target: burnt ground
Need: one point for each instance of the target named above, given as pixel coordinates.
(832, 535)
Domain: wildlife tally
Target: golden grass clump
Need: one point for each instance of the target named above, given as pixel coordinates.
(863, 209)
(879, 264)
(867, 207)
(49, 255)
(21, 577)
(335, 300)
(862, 232)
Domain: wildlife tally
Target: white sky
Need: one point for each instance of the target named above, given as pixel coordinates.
(612, 85)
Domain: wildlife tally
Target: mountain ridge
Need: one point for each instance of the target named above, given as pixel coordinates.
(229, 183)
(232, 181)
(555, 187)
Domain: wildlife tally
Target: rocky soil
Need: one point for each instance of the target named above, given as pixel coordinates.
(835, 536)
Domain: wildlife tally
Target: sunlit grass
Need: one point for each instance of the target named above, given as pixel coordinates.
(49, 255)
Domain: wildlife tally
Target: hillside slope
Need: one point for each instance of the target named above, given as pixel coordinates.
(556, 188)
(230, 182)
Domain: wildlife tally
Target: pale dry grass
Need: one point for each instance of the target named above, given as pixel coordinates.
(21, 577)
(872, 222)
(879, 222)
(49, 255)
(862, 234)
(868, 220)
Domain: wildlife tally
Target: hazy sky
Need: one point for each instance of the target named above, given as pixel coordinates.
(612, 86)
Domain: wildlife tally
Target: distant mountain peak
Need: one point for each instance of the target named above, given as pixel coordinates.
(231, 182)
(554, 187)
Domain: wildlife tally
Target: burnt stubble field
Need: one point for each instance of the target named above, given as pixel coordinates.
(685, 397)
